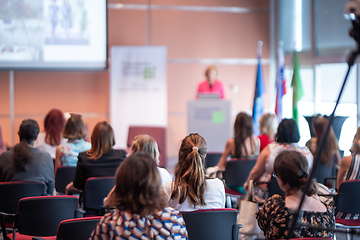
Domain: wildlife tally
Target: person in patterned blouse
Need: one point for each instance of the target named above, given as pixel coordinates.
(275, 216)
(141, 211)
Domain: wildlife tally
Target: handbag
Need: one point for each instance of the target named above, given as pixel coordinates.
(248, 208)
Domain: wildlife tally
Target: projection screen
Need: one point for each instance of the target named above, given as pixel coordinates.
(53, 35)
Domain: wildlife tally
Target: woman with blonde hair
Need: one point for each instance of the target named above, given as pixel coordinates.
(146, 144)
(75, 132)
(191, 190)
(100, 161)
(211, 85)
(141, 211)
(268, 129)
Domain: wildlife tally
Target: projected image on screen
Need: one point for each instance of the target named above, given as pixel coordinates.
(53, 34)
(66, 22)
(21, 30)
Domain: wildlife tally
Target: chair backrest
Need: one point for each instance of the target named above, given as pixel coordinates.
(212, 159)
(41, 216)
(158, 133)
(211, 224)
(347, 199)
(64, 176)
(325, 171)
(77, 229)
(96, 189)
(237, 171)
(274, 188)
(12, 192)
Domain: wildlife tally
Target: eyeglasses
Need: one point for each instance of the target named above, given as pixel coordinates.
(273, 174)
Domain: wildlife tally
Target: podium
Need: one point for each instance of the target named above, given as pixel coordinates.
(211, 119)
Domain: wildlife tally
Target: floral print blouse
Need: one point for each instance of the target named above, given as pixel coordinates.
(274, 218)
(166, 224)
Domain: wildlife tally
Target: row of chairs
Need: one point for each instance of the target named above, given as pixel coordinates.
(324, 173)
(40, 216)
(44, 216)
(96, 189)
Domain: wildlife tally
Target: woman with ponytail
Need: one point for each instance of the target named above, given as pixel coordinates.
(191, 190)
(25, 162)
(291, 170)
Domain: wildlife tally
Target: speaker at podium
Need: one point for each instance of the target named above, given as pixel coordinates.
(210, 117)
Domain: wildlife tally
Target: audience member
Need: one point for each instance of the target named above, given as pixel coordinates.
(211, 85)
(350, 170)
(146, 144)
(331, 154)
(286, 138)
(191, 190)
(67, 154)
(243, 144)
(100, 161)
(24, 162)
(268, 128)
(141, 211)
(51, 138)
(275, 216)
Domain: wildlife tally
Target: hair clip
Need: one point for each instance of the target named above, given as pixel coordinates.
(196, 148)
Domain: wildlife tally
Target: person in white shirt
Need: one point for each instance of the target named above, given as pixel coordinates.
(191, 190)
(147, 144)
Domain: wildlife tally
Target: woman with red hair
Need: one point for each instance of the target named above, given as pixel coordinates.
(54, 125)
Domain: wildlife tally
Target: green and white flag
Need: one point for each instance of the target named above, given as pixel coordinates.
(297, 88)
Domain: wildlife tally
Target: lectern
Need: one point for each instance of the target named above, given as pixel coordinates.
(211, 119)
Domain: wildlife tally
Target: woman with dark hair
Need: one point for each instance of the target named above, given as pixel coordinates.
(291, 170)
(100, 161)
(243, 144)
(286, 138)
(54, 125)
(75, 132)
(141, 211)
(26, 163)
(191, 190)
(331, 154)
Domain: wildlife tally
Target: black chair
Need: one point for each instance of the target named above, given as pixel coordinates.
(64, 176)
(96, 189)
(236, 173)
(325, 172)
(211, 224)
(347, 201)
(12, 192)
(212, 159)
(75, 229)
(274, 188)
(40, 216)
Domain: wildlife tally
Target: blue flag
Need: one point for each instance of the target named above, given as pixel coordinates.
(258, 107)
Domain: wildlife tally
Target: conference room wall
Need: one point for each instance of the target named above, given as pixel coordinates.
(188, 35)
